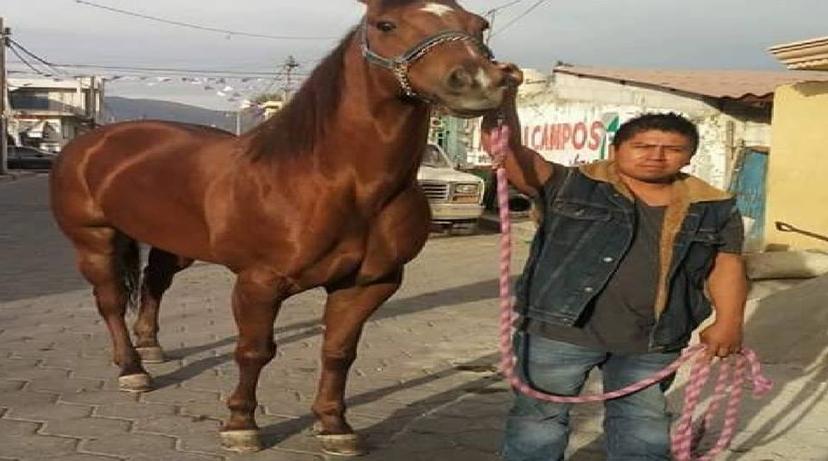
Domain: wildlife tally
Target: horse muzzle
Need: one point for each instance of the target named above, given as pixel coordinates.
(472, 89)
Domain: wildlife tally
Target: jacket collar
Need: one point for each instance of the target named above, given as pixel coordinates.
(687, 188)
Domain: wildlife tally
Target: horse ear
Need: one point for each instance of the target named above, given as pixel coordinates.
(369, 3)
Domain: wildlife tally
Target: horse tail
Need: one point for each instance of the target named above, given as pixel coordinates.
(128, 268)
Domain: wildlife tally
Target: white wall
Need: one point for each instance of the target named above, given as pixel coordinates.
(571, 119)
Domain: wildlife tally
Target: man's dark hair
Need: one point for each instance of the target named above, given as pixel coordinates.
(669, 122)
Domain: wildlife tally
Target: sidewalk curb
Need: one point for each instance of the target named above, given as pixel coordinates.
(17, 175)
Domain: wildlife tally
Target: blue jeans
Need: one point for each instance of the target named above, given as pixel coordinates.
(637, 427)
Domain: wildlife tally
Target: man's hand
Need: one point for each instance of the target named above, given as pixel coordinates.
(722, 338)
(727, 283)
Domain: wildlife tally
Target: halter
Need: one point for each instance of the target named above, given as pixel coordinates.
(400, 65)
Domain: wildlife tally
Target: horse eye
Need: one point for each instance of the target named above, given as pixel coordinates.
(386, 26)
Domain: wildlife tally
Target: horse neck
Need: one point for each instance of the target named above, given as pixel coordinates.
(386, 134)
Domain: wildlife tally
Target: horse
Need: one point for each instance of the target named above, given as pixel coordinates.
(324, 194)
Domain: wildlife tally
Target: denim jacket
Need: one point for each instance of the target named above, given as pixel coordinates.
(586, 230)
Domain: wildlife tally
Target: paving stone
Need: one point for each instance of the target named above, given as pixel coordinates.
(126, 445)
(19, 440)
(179, 426)
(98, 397)
(177, 456)
(96, 368)
(7, 385)
(207, 410)
(487, 441)
(179, 396)
(277, 454)
(78, 457)
(90, 428)
(133, 410)
(23, 398)
(11, 367)
(64, 385)
(44, 413)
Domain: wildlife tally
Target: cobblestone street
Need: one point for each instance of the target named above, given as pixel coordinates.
(423, 388)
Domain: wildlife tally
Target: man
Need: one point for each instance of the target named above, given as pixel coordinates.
(629, 254)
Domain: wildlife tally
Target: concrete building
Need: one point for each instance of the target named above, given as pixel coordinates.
(48, 113)
(797, 191)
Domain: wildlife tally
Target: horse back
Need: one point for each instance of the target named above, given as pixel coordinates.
(148, 179)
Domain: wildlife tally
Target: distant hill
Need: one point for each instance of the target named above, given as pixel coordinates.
(118, 109)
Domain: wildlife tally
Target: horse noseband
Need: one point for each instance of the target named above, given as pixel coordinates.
(400, 65)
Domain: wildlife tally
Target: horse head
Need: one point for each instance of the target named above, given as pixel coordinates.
(435, 50)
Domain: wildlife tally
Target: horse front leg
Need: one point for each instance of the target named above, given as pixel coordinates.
(256, 301)
(347, 309)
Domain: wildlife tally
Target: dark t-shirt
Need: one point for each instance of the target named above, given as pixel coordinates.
(622, 315)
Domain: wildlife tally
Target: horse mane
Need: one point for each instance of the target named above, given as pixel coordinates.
(304, 120)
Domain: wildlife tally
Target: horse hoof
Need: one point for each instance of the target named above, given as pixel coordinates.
(151, 354)
(246, 441)
(341, 444)
(140, 382)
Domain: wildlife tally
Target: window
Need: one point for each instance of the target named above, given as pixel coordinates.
(433, 158)
(29, 100)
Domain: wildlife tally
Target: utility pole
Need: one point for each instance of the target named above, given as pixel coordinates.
(290, 65)
(4, 126)
(490, 14)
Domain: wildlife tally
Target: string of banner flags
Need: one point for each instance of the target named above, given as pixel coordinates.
(233, 89)
(234, 86)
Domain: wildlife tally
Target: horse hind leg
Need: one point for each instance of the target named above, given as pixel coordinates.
(110, 262)
(158, 275)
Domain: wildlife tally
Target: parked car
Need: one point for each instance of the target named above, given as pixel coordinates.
(29, 158)
(456, 198)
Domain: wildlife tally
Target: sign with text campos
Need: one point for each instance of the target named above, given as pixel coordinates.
(572, 133)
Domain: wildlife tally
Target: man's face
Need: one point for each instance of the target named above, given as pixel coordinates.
(653, 155)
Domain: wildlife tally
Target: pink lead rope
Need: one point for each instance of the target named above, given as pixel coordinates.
(731, 372)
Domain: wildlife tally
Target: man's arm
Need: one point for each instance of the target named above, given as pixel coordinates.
(525, 168)
(728, 288)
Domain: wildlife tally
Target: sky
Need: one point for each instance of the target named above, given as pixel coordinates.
(666, 34)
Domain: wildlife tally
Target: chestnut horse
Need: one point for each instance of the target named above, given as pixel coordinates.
(323, 194)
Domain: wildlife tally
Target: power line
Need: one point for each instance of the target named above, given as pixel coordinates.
(24, 61)
(504, 6)
(492, 17)
(59, 66)
(226, 32)
(518, 17)
(32, 55)
(183, 73)
(169, 70)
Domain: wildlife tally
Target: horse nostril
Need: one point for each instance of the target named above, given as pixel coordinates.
(459, 79)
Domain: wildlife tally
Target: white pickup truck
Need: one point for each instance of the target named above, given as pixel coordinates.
(456, 198)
